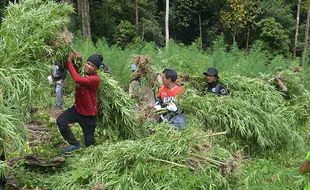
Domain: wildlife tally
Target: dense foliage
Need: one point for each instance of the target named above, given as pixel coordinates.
(271, 23)
(24, 38)
(30, 31)
(252, 139)
(116, 113)
(158, 161)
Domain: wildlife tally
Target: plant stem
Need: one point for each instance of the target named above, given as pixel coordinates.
(173, 163)
(215, 134)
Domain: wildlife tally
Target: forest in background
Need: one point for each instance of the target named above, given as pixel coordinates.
(271, 23)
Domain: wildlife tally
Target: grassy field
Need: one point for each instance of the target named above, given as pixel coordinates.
(249, 161)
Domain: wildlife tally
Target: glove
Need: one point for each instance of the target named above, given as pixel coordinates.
(172, 107)
(159, 110)
(133, 67)
(157, 107)
(50, 79)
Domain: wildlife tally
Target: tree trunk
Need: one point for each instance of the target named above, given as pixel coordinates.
(137, 13)
(167, 23)
(233, 38)
(142, 38)
(297, 28)
(247, 39)
(79, 12)
(304, 56)
(79, 9)
(200, 30)
(83, 12)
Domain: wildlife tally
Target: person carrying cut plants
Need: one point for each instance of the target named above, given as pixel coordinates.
(135, 83)
(86, 105)
(166, 101)
(213, 84)
(145, 80)
(279, 83)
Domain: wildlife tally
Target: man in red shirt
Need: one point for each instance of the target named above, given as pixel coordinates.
(166, 100)
(86, 105)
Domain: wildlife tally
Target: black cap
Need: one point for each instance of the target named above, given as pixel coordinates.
(211, 72)
(96, 59)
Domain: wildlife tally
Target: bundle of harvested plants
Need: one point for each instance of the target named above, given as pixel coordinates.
(116, 110)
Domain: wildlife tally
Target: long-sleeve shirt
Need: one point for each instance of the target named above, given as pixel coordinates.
(86, 102)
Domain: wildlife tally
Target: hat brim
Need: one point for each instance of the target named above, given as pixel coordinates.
(209, 74)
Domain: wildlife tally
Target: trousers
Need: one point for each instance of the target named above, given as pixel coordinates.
(87, 123)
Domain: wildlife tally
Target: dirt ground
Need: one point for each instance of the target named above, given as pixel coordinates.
(54, 113)
(38, 133)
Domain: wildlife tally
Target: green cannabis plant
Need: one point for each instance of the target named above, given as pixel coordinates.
(33, 33)
(116, 110)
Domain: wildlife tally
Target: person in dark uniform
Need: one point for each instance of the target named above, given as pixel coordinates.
(213, 85)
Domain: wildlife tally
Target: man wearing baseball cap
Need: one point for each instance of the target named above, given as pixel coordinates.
(213, 85)
(85, 107)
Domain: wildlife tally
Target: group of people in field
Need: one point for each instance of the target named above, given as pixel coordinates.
(85, 106)
(166, 98)
(86, 94)
(164, 102)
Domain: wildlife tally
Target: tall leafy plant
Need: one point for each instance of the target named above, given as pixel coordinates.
(30, 32)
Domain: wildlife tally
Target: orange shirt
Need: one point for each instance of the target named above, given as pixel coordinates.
(168, 95)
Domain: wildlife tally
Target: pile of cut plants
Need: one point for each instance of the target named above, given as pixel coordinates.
(226, 137)
(25, 33)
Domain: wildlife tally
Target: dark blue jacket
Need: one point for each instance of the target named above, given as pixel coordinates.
(59, 72)
(216, 88)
